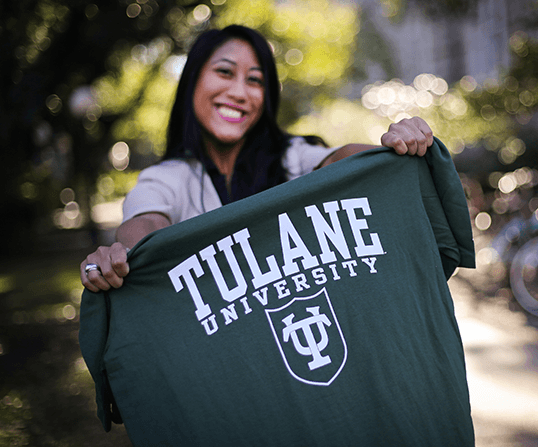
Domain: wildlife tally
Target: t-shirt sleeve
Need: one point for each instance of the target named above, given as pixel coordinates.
(445, 204)
(153, 193)
(301, 157)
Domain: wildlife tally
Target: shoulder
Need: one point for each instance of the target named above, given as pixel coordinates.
(170, 170)
(301, 143)
(302, 157)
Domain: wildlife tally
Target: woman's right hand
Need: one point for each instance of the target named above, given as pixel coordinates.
(112, 267)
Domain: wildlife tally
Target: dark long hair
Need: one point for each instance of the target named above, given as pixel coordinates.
(265, 142)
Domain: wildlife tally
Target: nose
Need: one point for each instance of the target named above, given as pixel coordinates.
(237, 90)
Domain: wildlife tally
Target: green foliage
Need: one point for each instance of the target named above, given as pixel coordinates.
(112, 185)
(312, 49)
(516, 96)
(446, 7)
(14, 415)
(466, 114)
(393, 9)
(129, 56)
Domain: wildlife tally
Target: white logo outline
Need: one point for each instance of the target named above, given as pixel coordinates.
(282, 353)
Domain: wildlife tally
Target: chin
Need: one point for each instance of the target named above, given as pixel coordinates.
(230, 140)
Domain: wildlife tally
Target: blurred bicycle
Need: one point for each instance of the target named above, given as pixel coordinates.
(517, 247)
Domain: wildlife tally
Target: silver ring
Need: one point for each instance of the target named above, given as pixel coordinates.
(91, 267)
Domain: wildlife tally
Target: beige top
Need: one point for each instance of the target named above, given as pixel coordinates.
(181, 189)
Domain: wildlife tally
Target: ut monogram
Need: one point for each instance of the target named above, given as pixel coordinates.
(313, 347)
(309, 338)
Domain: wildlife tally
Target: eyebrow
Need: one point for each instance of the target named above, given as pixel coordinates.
(235, 63)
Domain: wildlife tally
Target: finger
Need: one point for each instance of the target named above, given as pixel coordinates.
(97, 280)
(412, 146)
(417, 140)
(426, 130)
(85, 280)
(421, 143)
(422, 147)
(92, 280)
(118, 259)
(399, 146)
(389, 139)
(108, 275)
(105, 277)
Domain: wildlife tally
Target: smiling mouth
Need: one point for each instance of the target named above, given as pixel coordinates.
(230, 114)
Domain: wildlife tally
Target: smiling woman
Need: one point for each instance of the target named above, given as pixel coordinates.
(223, 145)
(228, 101)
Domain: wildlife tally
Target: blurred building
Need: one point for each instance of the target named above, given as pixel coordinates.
(448, 38)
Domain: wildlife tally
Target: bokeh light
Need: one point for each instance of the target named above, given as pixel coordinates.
(482, 221)
(119, 155)
(201, 13)
(395, 100)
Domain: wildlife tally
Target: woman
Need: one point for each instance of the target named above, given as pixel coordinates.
(223, 145)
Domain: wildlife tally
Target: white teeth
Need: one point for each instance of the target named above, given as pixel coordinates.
(229, 113)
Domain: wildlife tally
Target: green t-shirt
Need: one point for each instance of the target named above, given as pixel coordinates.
(313, 314)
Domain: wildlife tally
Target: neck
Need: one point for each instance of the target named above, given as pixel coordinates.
(224, 156)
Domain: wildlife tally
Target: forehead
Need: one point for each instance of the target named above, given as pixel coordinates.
(236, 50)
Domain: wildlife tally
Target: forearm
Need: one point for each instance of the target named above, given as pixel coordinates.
(133, 230)
(346, 151)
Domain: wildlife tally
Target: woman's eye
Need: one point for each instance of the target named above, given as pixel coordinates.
(256, 80)
(224, 71)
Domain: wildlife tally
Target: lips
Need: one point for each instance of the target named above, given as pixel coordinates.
(231, 114)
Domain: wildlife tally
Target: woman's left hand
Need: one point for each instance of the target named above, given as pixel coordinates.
(410, 136)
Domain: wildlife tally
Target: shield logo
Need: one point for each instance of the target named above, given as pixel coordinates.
(309, 338)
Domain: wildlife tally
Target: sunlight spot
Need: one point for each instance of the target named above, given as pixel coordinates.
(507, 184)
(119, 156)
(468, 83)
(133, 10)
(69, 312)
(74, 389)
(375, 133)
(280, 25)
(174, 66)
(105, 185)
(108, 214)
(386, 95)
(67, 195)
(294, 56)
(54, 104)
(201, 13)
(488, 112)
(424, 81)
(71, 210)
(482, 221)
(486, 256)
(526, 98)
(68, 217)
(91, 11)
(76, 295)
(439, 87)
(424, 99)
(7, 283)
(80, 365)
(506, 156)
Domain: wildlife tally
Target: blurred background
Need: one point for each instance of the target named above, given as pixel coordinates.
(85, 92)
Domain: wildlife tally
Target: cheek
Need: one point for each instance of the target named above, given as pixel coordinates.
(197, 106)
(260, 103)
(202, 92)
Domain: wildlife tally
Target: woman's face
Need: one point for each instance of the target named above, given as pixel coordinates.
(229, 94)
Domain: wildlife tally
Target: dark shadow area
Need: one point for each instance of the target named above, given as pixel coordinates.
(46, 393)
